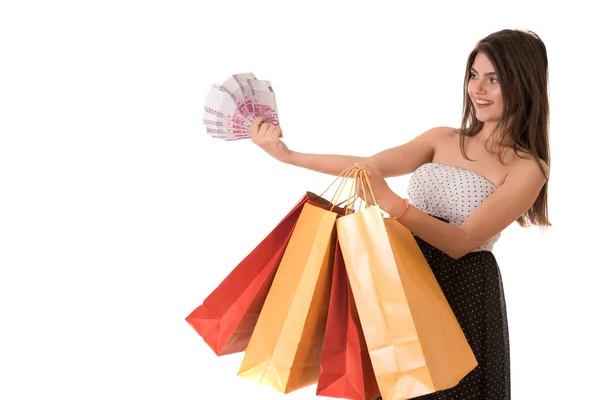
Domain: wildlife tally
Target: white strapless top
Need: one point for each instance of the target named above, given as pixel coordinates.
(450, 193)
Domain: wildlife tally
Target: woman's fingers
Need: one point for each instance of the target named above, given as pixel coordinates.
(272, 131)
(364, 186)
(264, 129)
(254, 127)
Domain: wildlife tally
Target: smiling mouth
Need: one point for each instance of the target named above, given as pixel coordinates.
(483, 103)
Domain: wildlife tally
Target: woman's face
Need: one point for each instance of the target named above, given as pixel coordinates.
(484, 90)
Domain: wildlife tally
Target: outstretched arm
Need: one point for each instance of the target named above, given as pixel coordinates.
(395, 161)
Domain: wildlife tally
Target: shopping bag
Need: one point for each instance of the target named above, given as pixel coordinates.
(415, 342)
(226, 318)
(346, 369)
(284, 351)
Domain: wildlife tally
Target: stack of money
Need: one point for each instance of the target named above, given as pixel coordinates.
(231, 106)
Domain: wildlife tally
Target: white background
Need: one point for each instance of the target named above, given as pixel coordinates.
(119, 215)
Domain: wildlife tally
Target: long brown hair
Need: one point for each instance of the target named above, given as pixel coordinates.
(521, 62)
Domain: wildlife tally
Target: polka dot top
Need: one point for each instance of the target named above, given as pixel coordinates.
(450, 193)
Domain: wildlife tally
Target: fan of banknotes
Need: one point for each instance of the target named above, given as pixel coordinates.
(232, 105)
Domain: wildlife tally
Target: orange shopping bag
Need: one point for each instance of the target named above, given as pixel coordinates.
(284, 351)
(346, 369)
(415, 342)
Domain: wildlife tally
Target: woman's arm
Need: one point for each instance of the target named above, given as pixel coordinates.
(396, 161)
(511, 200)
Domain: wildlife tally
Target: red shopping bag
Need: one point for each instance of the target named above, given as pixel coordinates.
(346, 369)
(227, 317)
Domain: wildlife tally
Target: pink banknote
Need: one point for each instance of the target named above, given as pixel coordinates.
(263, 100)
(240, 79)
(216, 118)
(220, 104)
(232, 106)
(231, 87)
(217, 123)
(228, 134)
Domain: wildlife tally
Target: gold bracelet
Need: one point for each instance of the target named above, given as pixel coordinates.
(403, 211)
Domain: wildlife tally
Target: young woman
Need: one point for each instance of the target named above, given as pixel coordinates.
(467, 186)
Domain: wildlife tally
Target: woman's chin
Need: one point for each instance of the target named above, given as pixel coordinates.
(486, 119)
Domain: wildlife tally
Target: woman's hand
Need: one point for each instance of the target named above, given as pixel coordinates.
(384, 196)
(267, 136)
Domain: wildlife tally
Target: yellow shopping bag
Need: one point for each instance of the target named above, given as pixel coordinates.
(284, 351)
(415, 342)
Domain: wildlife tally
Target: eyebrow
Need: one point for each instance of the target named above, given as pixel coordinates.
(486, 74)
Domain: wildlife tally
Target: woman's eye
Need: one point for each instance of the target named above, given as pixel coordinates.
(493, 80)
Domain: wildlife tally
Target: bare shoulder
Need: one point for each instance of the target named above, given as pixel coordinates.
(440, 136)
(440, 133)
(526, 166)
(443, 131)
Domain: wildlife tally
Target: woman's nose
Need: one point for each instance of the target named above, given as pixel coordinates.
(479, 86)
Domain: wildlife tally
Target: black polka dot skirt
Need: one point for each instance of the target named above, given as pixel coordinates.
(473, 287)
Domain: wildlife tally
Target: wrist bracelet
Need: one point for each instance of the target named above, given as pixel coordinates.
(403, 211)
